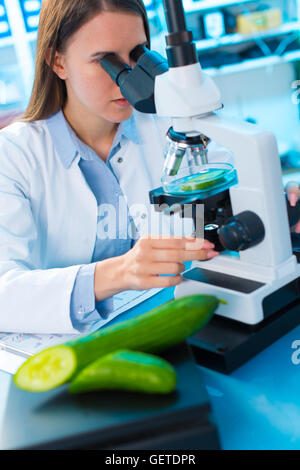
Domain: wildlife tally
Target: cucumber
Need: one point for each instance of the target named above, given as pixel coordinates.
(47, 369)
(152, 332)
(126, 370)
(204, 181)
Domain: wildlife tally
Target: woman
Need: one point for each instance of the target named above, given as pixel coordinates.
(79, 148)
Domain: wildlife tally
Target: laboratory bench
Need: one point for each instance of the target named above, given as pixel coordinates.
(255, 407)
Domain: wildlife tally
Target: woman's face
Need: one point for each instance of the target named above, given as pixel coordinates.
(90, 89)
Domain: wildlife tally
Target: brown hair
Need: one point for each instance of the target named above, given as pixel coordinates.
(59, 20)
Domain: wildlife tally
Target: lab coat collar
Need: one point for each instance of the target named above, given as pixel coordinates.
(65, 144)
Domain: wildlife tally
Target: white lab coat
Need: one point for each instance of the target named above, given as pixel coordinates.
(48, 219)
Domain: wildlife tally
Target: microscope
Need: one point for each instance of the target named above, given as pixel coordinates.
(246, 213)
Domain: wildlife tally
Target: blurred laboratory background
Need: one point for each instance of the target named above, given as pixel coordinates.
(251, 48)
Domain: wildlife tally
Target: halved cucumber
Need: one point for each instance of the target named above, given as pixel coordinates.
(47, 369)
(154, 331)
(126, 370)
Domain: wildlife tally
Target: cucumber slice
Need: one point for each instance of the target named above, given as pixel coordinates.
(46, 370)
(205, 180)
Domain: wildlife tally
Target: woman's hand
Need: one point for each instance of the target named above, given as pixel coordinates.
(152, 256)
(293, 193)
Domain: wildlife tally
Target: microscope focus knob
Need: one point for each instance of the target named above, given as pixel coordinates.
(242, 231)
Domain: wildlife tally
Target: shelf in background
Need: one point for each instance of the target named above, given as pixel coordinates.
(206, 5)
(207, 44)
(237, 38)
(253, 64)
(4, 42)
(9, 41)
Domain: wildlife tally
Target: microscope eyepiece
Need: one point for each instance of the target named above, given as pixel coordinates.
(137, 83)
(114, 67)
(137, 52)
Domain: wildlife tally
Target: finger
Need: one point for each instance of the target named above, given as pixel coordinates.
(164, 281)
(180, 256)
(292, 190)
(164, 268)
(211, 254)
(194, 244)
(177, 243)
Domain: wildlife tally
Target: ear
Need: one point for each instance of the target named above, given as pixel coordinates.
(58, 66)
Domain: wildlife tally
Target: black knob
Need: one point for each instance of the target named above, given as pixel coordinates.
(242, 231)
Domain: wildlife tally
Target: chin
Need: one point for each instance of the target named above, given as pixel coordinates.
(122, 115)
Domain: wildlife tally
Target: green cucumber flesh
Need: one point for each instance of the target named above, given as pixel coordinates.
(126, 370)
(46, 370)
(204, 181)
(152, 332)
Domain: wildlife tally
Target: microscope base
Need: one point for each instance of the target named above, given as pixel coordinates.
(224, 345)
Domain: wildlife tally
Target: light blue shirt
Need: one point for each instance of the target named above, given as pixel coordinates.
(105, 186)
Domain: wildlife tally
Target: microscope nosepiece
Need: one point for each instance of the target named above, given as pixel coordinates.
(180, 144)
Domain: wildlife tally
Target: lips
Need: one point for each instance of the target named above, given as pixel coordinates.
(122, 102)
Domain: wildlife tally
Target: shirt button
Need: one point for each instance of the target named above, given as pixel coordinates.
(143, 216)
(120, 160)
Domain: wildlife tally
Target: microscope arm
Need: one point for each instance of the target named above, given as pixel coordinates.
(259, 179)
